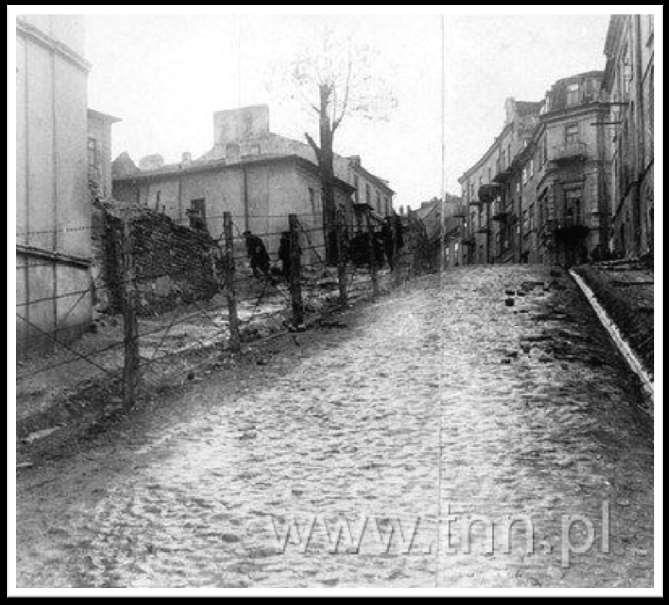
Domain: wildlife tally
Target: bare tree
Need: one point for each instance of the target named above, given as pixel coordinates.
(335, 81)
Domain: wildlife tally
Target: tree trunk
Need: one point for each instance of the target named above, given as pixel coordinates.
(327, 171)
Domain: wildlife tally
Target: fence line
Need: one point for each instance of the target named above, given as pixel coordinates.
(317, 273)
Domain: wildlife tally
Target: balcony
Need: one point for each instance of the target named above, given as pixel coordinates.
(489, 191)
(501, 213)
(569, 228)
(576, 151)
(503, 175)
(475, 202)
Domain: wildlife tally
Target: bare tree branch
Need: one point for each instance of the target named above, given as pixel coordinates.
(314, 146)
(347, 88)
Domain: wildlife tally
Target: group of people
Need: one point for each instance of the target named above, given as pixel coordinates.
(386, 241)
(259, 258)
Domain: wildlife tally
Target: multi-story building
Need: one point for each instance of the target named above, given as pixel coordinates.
(98, 147)
(488, 192)
(53, 239)
(628, 82)
(443, 223)
(567, 202)
(547, 199)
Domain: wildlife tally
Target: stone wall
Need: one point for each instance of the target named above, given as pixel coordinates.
(173, 264)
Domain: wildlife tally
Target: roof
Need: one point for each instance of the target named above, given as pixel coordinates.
(105, 117)
(197, 166)
(524, 108)
(372, 177)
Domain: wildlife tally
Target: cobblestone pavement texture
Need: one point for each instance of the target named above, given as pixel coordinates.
(488, 390)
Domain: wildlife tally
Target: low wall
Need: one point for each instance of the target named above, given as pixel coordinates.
(633, 315)
(173, 264)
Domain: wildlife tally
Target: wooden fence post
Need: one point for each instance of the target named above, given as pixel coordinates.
(229, 267)
(396, 260)
(341, 261)
(294, 272)
(372, 256)
(130, 334)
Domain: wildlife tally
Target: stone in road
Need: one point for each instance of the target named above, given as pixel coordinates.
(484, 392)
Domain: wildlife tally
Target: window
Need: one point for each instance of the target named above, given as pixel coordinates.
(368, 194)
(508, 155)
(572, 210)
(545, 149)
(572, 94)
(531, 217)
(198, 214)
(158, 199)
(489, 174)
(356, 184)
(378, 201)
(571, 134)
(525, 174)
(312, 200)
(93, 156)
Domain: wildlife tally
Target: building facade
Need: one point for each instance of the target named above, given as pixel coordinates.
(245, 131)
(568, 200)
(541, 192)
(53, 240)
(98, 149)
(490, 194)
(629, 85)
(259, 191)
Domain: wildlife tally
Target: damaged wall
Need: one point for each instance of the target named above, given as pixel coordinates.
(173, 264)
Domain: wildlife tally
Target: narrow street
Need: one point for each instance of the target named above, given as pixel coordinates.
(487, 391)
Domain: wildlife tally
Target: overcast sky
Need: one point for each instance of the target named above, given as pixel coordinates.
(165, 76)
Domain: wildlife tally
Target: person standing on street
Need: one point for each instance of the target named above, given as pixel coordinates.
(257, 253)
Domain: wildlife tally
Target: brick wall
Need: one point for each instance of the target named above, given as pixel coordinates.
(174, 264)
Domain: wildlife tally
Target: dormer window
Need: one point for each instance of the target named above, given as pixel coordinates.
(572, 94)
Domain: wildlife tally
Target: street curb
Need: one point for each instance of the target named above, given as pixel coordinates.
(632, 359)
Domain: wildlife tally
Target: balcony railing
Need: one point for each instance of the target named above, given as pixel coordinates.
(568, 227)
(500, 212)
(569, 151)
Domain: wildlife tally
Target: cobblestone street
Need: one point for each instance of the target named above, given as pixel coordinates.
(485, 391)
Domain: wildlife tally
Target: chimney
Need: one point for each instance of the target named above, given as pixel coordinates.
(355, 160)
(401, 210)
(186, 158)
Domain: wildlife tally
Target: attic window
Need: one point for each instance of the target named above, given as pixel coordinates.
(572, 94)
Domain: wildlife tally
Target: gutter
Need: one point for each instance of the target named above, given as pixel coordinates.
(622, 345)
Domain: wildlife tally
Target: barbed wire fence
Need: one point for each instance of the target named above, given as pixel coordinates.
(173, 298)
